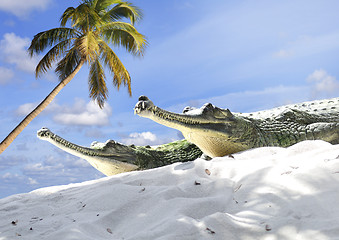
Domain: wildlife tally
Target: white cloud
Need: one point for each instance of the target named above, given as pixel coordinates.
(26, 108)
(57, 168)
(253, 100)
(14, 51)
(39, 168)
(5, 75)
(66, 161)
(32, 181)
(146, 138)
(9, 23)
(6, 175)
(22, 146)
(323, 84)
(141, 139)
(84, 114)
(7, 162)
(20, 175)
(22, 8)
(10, 176)
(307, 45)
(94, 133)
(80, 113)
(283, 53)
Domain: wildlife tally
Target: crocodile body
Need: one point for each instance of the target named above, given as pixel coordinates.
(215, 131)
(112, 157)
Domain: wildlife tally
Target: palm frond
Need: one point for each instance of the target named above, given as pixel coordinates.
(97, 85)
(88, 46)
(49, 38)
(67, 16)
(92, 23)
(111, 60)
(51, 56)
(102, 6)
(82, 17)
(125, 35)
(123, 10)
(68, 63)
(91, 3)
(74, 15)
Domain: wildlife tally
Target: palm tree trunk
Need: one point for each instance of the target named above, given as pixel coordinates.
(18, 129)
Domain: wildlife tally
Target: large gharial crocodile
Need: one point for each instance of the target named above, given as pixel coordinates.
(212, 131)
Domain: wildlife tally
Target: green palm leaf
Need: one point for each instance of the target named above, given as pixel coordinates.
(96, 81)
(51, 56)
(111, 60)
(68, 63)
(82, 17)
(50, 37)
(125, 35)
(91, 23)
(66, 16)
(104, 5)
(88, 47)
(123, 10)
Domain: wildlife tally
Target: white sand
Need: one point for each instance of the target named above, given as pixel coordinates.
(265, 193)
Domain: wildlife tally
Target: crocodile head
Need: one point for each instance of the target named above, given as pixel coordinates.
(217, 132)
(110, 157)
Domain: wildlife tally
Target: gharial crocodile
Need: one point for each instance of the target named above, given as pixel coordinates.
(213, 131)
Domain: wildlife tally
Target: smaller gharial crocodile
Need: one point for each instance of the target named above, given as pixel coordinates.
(112, 157)
(210, 130)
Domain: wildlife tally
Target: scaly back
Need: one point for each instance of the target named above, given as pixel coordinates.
(326, 110)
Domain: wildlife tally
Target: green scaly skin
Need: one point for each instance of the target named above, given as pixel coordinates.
(112, 157)
(213, 131)
(218, 132)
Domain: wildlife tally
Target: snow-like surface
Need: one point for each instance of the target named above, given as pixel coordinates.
(320, 107)
(265, 193)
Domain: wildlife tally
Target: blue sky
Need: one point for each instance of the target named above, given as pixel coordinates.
(241, 55)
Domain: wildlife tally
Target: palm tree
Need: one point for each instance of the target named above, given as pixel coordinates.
(94, 26)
